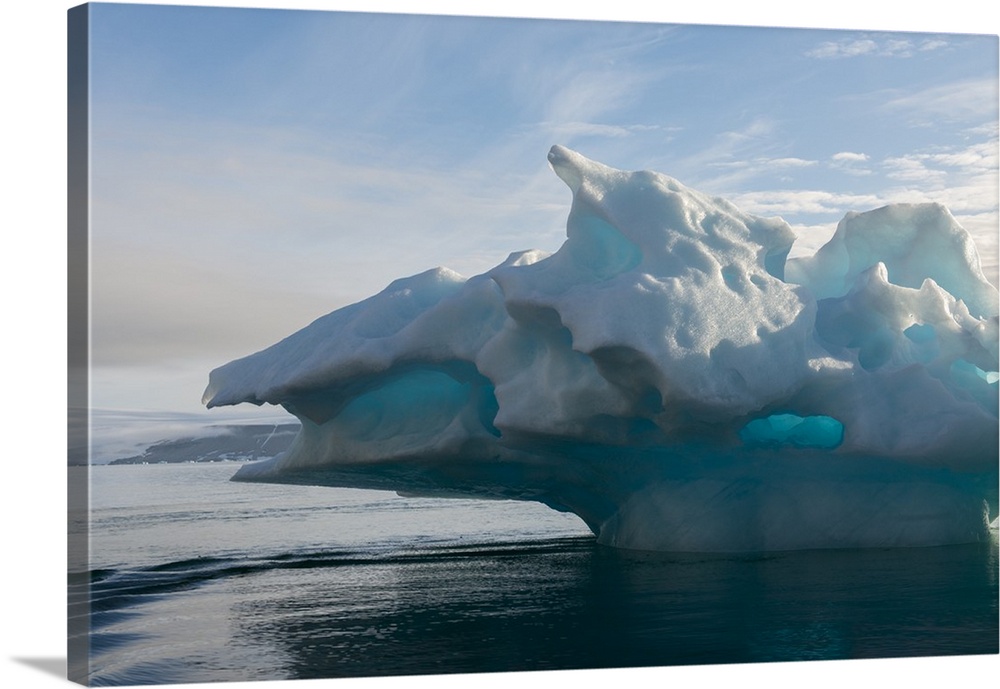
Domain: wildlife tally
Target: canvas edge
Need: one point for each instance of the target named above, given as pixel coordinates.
(78, 345)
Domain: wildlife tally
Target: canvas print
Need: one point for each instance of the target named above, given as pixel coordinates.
(410, 345)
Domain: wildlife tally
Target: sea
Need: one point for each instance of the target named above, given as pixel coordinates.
(195, 578)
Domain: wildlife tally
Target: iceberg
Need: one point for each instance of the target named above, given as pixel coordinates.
(670, 375)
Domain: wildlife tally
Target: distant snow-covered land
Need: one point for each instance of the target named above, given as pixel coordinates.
(220, 443)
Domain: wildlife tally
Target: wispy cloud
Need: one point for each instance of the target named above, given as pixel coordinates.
(882, 47)
(569, 130)
(970, 100)
(736, 155)
(802, 202)
(851, 163)
(763, 164)
(591, 95)
(732, 174)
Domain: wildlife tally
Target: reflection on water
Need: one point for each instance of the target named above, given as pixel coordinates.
(572, 604)
(196, 579)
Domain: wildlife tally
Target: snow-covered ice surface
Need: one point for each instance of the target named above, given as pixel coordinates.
(668, 375)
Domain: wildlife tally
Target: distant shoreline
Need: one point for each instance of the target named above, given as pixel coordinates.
(240, 443)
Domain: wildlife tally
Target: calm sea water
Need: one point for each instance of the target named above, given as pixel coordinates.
(195, 579)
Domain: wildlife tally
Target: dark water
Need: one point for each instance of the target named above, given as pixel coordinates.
(272, 582)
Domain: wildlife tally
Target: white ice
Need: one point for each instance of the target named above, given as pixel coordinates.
(668, 375)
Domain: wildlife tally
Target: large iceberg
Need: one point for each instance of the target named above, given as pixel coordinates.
(669, 375)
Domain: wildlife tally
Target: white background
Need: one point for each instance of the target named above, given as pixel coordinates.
(32, 270)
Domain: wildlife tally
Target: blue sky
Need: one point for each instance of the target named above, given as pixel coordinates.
(254, 169)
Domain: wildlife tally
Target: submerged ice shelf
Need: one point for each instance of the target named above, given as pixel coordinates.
(669, 375)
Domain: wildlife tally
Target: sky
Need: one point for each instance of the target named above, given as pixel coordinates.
(255, 169)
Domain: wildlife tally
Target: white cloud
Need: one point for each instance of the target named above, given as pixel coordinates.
(845, 48)
(912, 170)
(786, 162)
(809, 238)
(851, 163)
(849, 157)
(983, 228)
(897, 48)
(932, 44)
(885, 47)
(964, 179)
